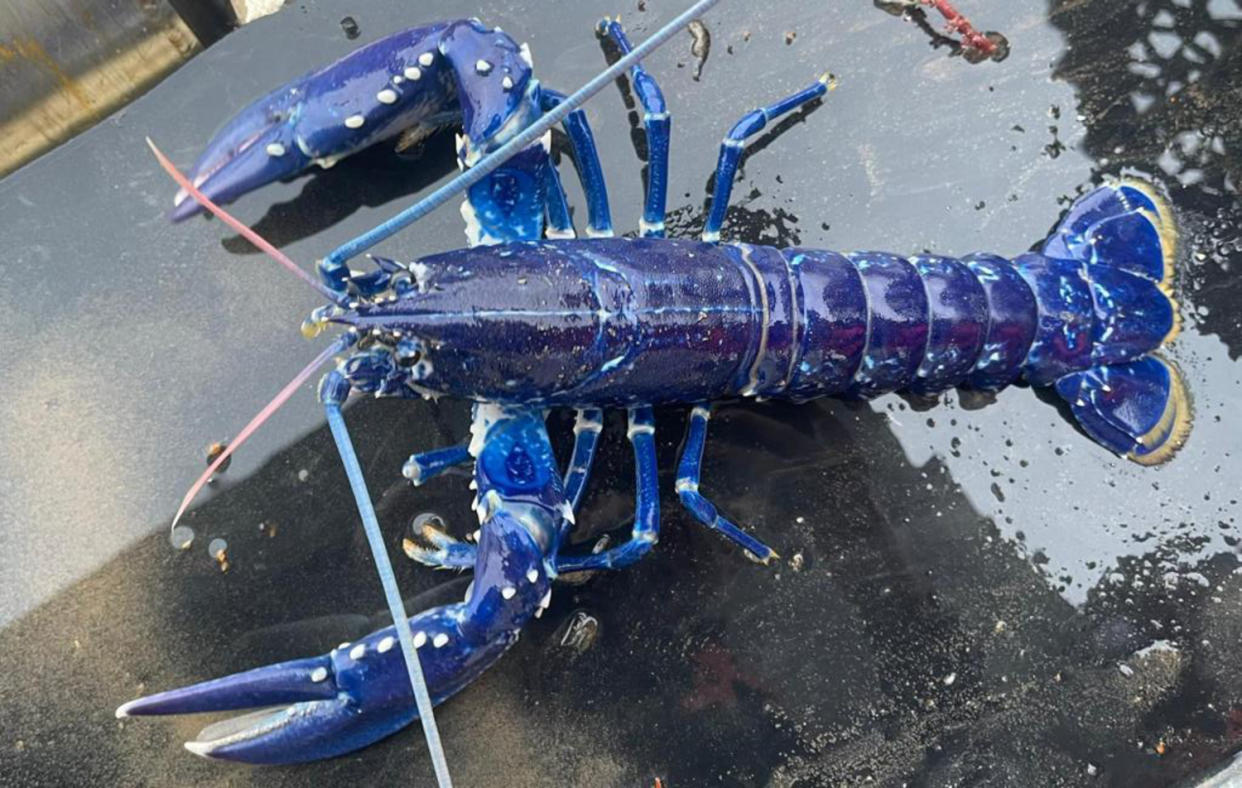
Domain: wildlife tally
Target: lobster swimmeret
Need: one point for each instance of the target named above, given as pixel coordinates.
(527, 324)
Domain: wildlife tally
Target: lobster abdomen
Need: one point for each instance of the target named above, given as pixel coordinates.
(874, 322)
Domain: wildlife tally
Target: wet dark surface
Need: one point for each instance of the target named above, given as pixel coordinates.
(972, 594)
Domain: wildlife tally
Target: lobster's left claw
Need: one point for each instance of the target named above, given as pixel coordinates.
(321, 719)
(406, 84)
(360, 692)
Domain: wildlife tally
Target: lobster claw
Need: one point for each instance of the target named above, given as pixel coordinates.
(408, 83)
(257, 147)
(373, 93)
(315, 716)
(360, 692)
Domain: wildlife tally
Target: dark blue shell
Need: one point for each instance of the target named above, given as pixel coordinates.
(619, 321)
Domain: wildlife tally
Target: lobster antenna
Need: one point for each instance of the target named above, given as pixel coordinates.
(262, 416)
(250, 235)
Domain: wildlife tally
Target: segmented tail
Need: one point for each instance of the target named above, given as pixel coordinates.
(1131, 400)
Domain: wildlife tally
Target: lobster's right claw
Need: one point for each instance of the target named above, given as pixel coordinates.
(408, 83)
(328, 705)
(257, 147)
(322, 117)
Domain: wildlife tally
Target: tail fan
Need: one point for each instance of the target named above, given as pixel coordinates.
(1140, 409)
(1130, 401)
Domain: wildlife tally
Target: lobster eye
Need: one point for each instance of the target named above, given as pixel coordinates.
(408, 353)
(409, 360)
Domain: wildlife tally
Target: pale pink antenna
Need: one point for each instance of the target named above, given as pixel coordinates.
(293, 385)
(250, 235)
(254, 424)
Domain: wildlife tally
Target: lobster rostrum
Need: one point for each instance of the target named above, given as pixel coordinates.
(530, 323)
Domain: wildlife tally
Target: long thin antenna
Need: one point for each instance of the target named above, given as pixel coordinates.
(392, 594)
(531, 133)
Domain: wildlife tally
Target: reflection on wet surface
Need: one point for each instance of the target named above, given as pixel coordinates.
(972, 593)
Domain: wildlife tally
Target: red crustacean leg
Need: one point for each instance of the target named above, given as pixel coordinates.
(957, 23)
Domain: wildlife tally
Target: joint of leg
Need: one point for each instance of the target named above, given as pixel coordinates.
(334, 273)
(333, 388)
(584, 423)
(637, 428)
(412, 471)
(685, 484)
(650, 228)
(699, 506)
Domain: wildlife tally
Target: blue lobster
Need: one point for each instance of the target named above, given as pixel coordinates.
(518, 323)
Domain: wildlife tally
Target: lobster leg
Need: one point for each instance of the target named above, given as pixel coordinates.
(429, 464)
(646, 530)
(556, 206)
(445, 552)
(438, 550)
(735, 142)
(587, 427)
(657, 123)
(586, 160)
(688, 490)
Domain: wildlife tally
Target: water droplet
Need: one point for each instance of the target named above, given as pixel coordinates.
(181, 537)
(217, 548)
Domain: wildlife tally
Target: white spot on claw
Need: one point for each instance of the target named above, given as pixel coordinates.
(482, 66)
(420, 639)
(426, 59)
(385, 645)
(440, 640)
(275, 149)
(508, 592)
(386, 96)
(412, 73)
(354, 122)
(318, 674)
(507, 82)
(357, 651)
(532, 575)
